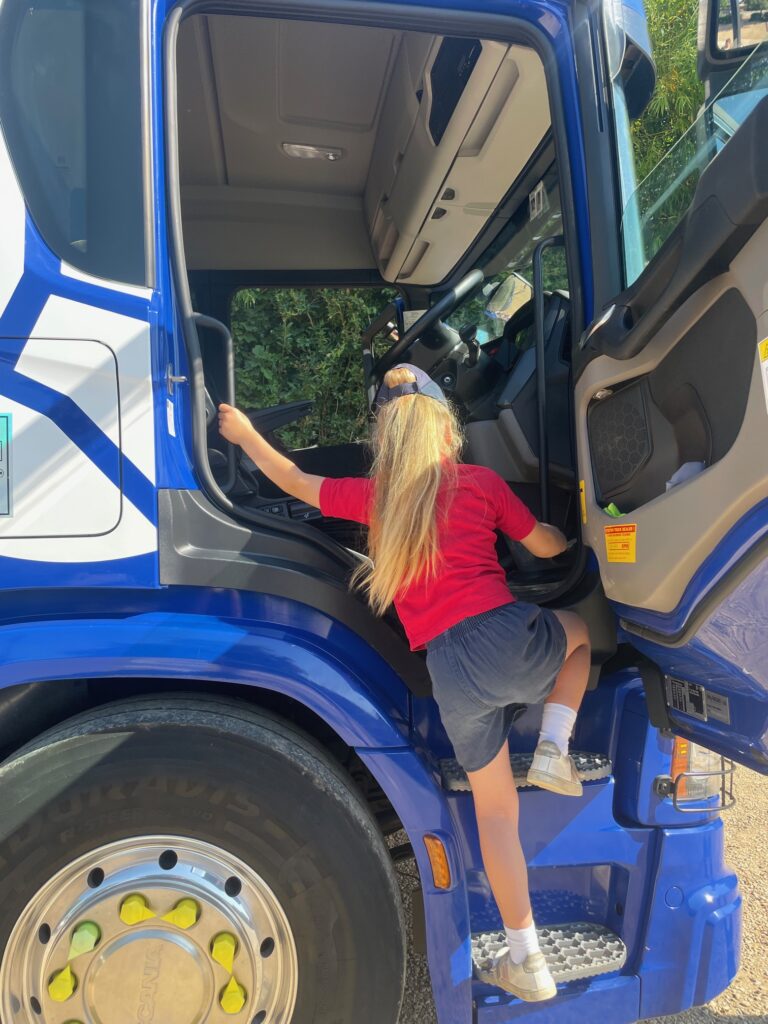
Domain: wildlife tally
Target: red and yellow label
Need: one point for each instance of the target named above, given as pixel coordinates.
(621, 542)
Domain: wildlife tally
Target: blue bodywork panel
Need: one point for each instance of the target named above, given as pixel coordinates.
(621, 856)
(726, 653)
(592, 859)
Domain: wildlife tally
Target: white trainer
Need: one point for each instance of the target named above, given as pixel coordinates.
(553, 770)
(529, 980)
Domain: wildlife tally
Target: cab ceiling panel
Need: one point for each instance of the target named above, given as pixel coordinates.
(304, 83)
(246, 87)
(427, 134)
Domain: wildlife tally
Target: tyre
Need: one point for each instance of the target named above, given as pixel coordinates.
(180, 861)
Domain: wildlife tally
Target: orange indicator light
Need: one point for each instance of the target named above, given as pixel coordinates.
(438, 859)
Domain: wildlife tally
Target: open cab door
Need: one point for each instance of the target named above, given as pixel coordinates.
(671, 405)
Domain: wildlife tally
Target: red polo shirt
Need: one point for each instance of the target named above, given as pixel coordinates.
(469, 580)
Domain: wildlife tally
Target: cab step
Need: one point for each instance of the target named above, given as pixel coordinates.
(575, 951)
(590, 767)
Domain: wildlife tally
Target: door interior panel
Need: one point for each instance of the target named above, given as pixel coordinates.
(690, 408)
(730, 203)
(694, 393)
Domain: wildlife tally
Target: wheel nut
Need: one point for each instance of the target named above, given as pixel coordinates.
(223, 949)
(62, 985)
(184, 914)
(233, 997)
(134, 909)
(84, 939)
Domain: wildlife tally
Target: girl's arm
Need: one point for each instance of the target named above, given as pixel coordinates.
(545, 541)
(237, 428)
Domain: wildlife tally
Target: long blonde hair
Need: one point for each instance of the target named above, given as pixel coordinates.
(416, 443)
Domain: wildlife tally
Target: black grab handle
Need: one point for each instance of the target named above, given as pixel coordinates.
(541, 368)
(212, 324)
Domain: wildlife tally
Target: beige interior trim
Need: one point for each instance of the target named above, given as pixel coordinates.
(248, 85)
(501, 445)
(510, 119)
(677, 530)
(226, 228)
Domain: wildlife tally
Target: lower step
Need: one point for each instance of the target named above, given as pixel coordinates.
(590, 767)
(572, 951)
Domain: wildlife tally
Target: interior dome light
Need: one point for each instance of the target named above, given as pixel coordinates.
(303, 152)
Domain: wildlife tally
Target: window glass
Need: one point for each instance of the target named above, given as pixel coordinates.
(539, 216)
(305, 343)
(70, 107)
(741, 23)
(661, 200)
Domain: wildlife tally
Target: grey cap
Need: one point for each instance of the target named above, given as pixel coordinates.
(423, 385)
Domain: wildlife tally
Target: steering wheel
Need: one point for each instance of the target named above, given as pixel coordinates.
(442, 308)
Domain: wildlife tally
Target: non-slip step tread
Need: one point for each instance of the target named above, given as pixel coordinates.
(574, 951)
(591, 767)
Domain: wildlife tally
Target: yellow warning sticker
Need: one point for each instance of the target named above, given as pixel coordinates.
(762, 351)
(583, 498)
(621, 542)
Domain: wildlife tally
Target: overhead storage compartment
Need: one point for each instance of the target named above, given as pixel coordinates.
(475, 113)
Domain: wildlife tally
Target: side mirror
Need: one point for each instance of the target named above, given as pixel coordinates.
(729, 30)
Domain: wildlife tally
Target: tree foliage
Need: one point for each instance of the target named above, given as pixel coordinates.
(679, 93)
(304, 343)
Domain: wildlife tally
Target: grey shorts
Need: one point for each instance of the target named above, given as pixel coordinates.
(487, 668)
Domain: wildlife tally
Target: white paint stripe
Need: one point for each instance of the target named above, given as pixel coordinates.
(129, 339)
(56, 491)
(134, 536)
(86, 371)
(68, 270)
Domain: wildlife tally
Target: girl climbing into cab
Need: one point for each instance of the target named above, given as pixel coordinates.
(432, 542)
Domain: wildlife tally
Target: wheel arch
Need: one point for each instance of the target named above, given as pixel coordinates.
(360, 718)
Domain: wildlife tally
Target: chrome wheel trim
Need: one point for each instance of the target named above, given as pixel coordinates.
(154, 971)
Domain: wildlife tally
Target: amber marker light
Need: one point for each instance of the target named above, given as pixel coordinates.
(438, 859)
(680, 763)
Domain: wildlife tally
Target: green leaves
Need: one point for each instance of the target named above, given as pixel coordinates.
(679, 94)
(305, 343)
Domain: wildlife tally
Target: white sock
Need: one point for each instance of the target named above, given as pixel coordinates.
(557, 725)
(522, 942)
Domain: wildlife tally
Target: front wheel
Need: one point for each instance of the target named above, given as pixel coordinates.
(191, 862)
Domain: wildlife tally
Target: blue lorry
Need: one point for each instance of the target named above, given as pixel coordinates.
(215, 757)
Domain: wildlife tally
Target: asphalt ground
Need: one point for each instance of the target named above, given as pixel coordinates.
(746, 840)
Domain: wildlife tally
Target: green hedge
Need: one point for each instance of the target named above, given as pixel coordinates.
(304, 343)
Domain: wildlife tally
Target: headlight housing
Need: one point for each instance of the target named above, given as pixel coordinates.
(700, 779)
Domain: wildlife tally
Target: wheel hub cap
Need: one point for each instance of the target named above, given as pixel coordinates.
(150, 976)
(161, 930)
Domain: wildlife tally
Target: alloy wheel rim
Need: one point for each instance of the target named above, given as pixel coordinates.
(151, 930)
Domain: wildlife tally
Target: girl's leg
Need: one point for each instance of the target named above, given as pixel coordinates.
(552, 767)
(519, 967)
(571, 683)
(497, 808)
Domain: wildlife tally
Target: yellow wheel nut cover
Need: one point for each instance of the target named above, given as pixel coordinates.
(233, 997)
(223, 949)
(84, 939)
(184, 914)
(62, 985)
(134, 909)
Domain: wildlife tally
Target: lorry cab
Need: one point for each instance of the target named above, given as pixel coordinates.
(216, 756)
